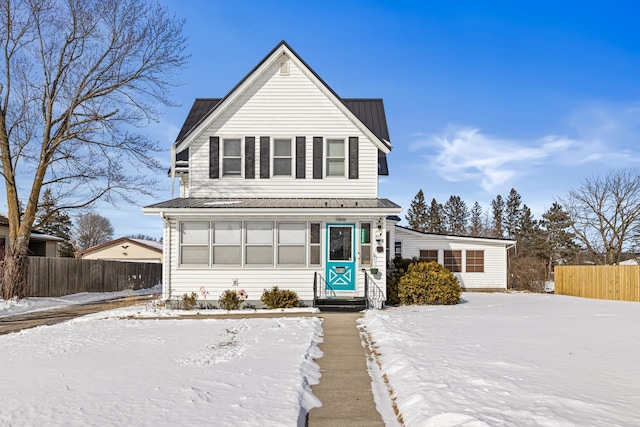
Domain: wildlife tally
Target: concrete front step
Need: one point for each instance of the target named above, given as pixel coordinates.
(341, 304)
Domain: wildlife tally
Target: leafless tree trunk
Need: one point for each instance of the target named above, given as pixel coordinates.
(78, 78)
(604, 212)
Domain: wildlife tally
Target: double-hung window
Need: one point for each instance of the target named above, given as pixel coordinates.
(194, 243)
(314, 243)
(453, 261)
(475, 261)
(428, 255)
(291, 243)
(335, 157)
(227, 241)
(232, 157)
(259, 243)
(282, 157)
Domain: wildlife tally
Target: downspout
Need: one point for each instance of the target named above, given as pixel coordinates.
(506, 254)
(173, 169)
(166, 254)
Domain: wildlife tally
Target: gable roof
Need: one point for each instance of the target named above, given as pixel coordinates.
(206, 109)
(147, 244)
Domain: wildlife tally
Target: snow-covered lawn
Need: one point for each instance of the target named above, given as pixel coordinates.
(32, 304)
(95, 371)
(512, 360)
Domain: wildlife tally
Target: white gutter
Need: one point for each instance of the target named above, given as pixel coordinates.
(173, 169)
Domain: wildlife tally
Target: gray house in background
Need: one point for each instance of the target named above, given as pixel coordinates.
(40, 244)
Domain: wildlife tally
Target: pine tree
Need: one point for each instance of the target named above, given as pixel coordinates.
(475, 221)
(55, 222)
(512, 214)
(456, 215)
(417, 213)
(497, 208)
(528, 235)
(435, 218)
(559, 240)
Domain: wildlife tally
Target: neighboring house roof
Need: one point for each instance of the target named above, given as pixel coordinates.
(452, 237)
(369, 112)
(297, 203)
(35, 234)
(149, 244)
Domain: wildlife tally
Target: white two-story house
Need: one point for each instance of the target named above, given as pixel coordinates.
(279, 187)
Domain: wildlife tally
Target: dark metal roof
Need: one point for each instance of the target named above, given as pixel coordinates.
(199, 110)
(299, 203)
(371, 113)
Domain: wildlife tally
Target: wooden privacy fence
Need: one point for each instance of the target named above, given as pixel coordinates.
(613, 282)
(54, 277)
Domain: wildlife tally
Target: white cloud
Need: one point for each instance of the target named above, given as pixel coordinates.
(606, 136)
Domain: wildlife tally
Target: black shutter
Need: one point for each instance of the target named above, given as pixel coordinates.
(301, 148)
(214, 157)
(250, 157)
(353, 157)
(317, 157)
(264, 157)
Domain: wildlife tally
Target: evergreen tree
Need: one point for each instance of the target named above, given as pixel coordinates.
(528, 235)
(497, 222)
(456, 215)
(417, 213)
(435, 218)
(55, 222)
(512, 214)
(475, 221)
(559, 240)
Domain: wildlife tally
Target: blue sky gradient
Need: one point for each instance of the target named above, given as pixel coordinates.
(480, 96)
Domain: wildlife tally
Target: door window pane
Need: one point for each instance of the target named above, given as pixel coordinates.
(340, 244)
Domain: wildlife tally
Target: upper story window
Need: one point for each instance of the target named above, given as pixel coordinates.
(282, 157)
(232, 157)
(335, 157)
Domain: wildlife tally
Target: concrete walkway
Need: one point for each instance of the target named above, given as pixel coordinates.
(345, 385)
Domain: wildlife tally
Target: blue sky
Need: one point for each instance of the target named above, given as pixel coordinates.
(480, 96)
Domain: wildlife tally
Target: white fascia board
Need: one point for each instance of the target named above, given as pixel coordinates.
(400, 230)
(272, 213)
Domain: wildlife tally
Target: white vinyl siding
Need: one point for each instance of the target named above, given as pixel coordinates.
(284, 106)
(494, 264)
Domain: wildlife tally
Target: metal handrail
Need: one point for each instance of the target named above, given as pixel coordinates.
(368, 290)
(318, 290)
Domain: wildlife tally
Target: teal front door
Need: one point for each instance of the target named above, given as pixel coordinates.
(341, 264)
